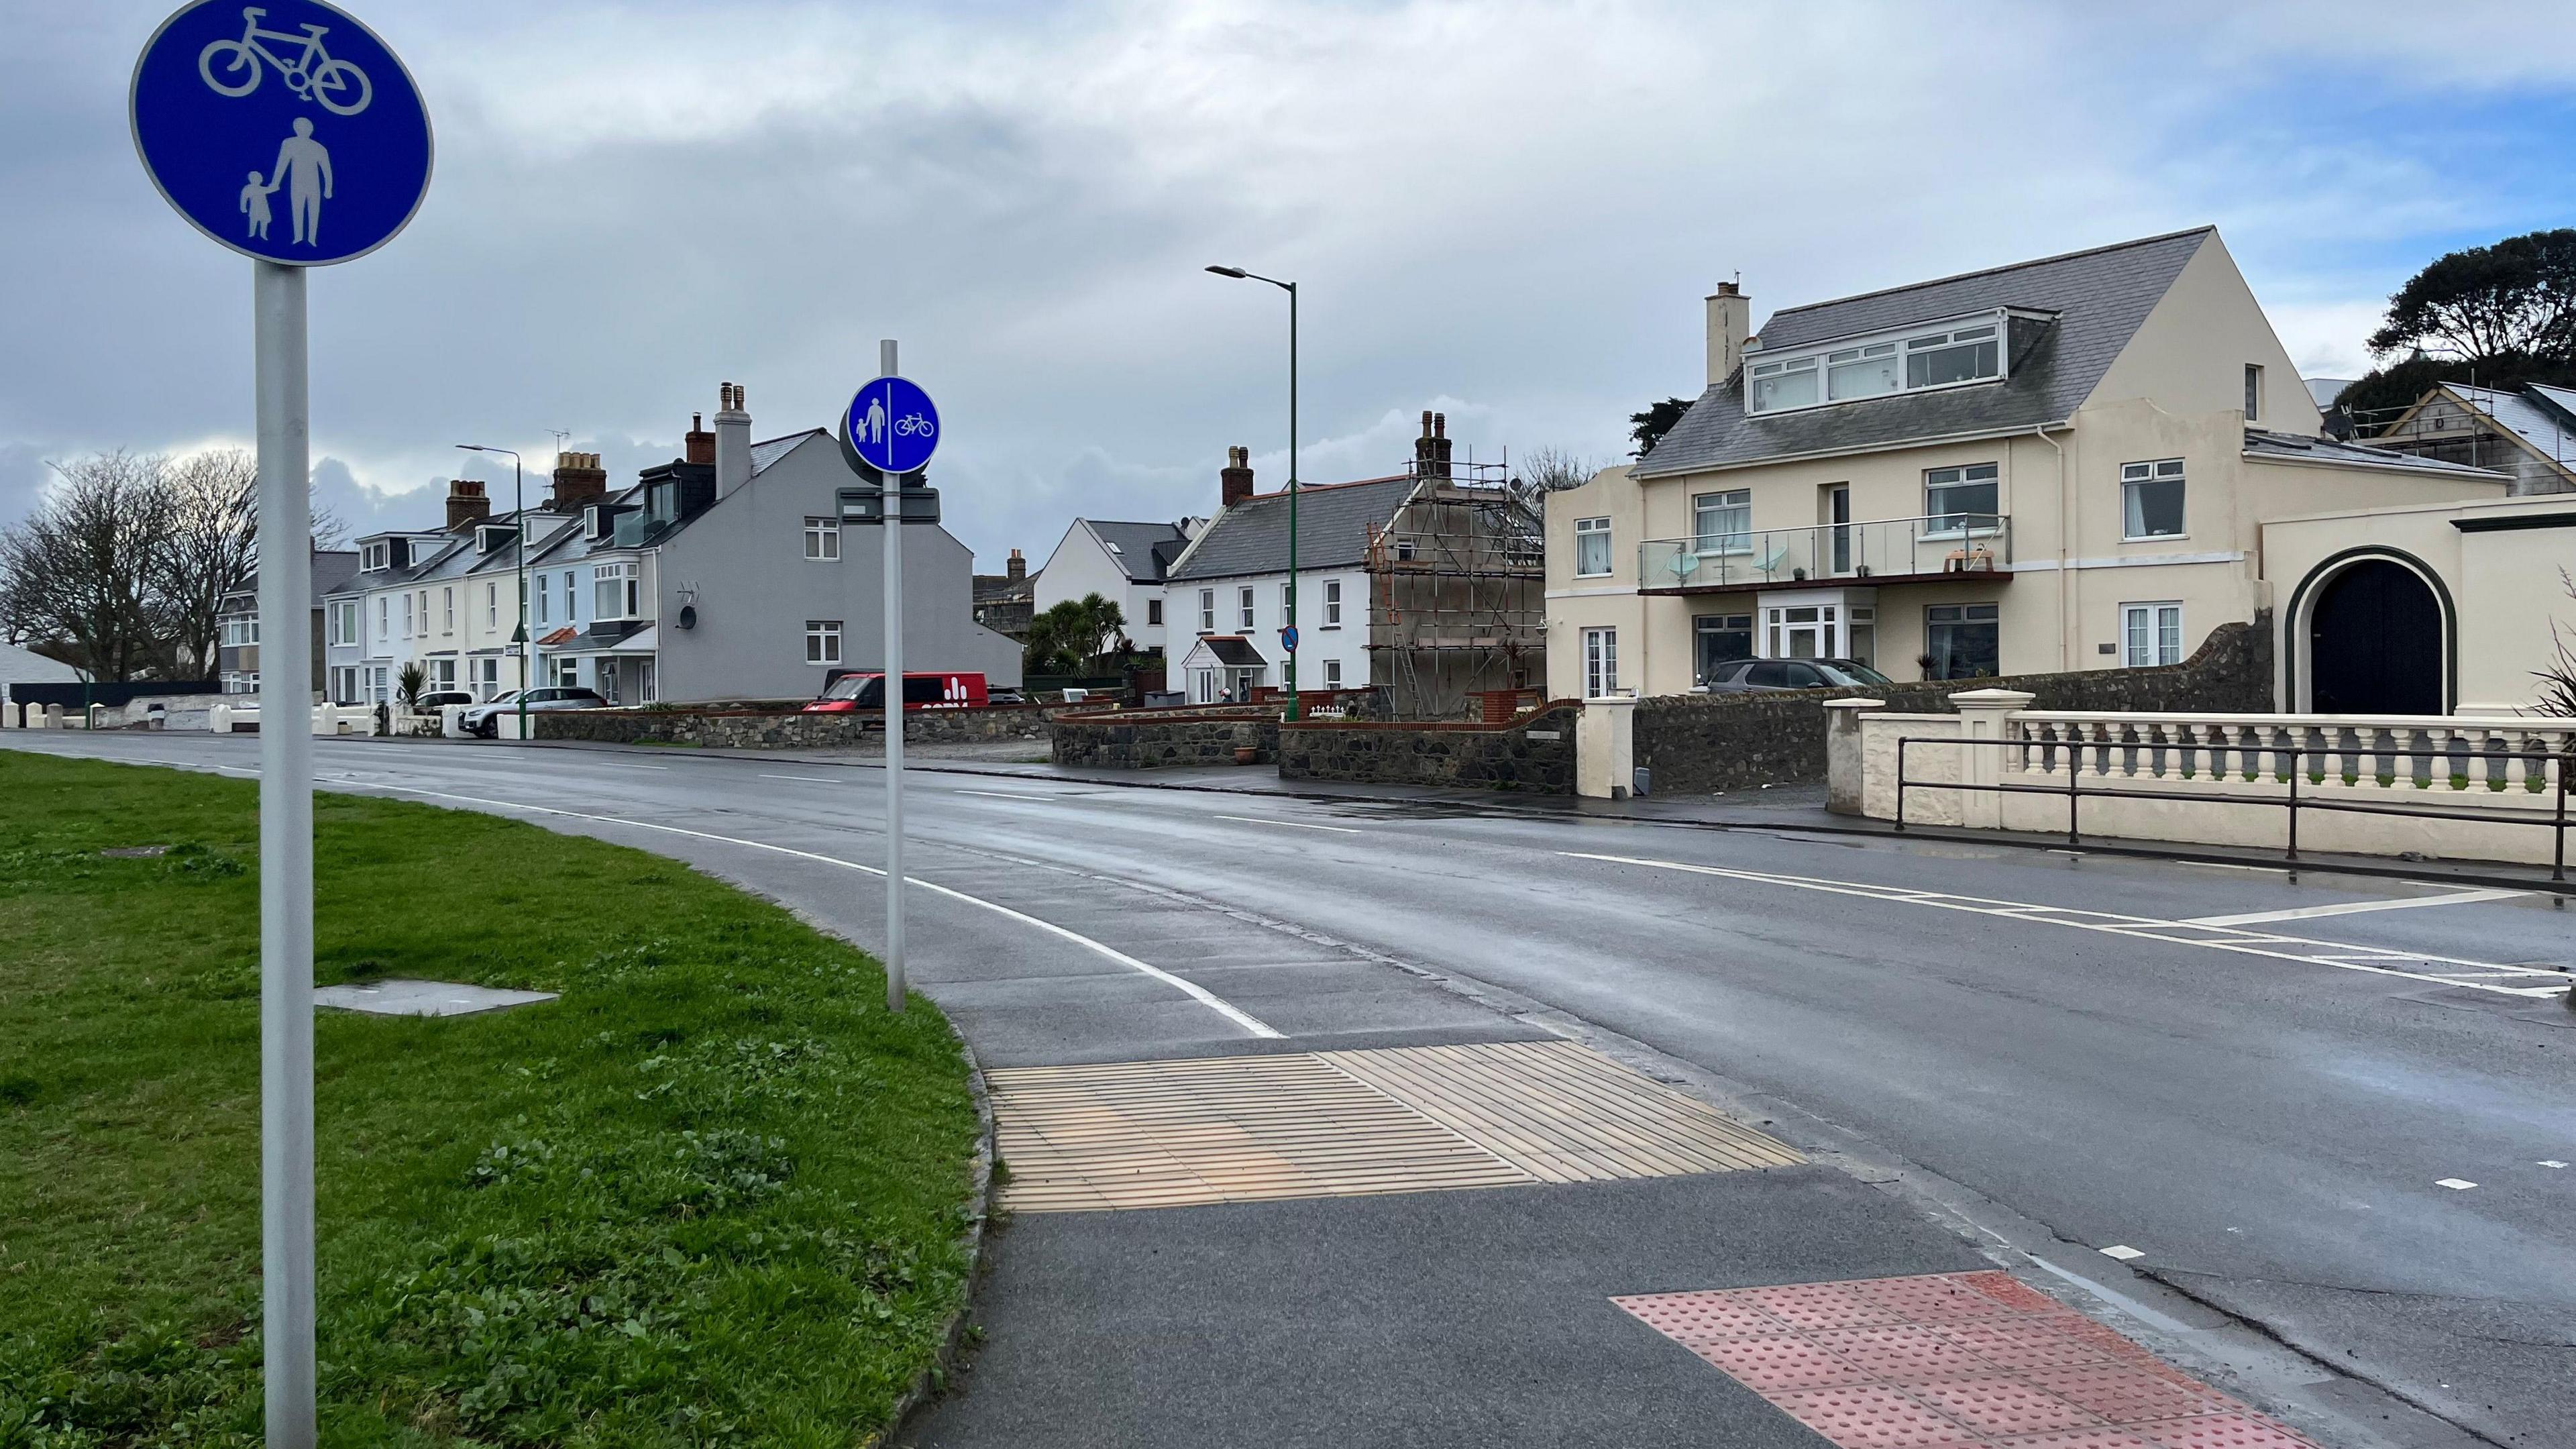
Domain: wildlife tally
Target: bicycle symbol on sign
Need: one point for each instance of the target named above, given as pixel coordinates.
(912, 425)
(335, 85)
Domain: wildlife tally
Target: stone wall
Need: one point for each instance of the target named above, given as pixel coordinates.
(784, 730)
(1151, 739)
(1534, 753)
(1695, 743)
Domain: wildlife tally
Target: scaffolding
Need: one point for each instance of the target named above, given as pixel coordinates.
(1457, 583)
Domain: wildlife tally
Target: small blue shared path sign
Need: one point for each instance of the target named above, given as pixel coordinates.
(286, 131)
(892, 426)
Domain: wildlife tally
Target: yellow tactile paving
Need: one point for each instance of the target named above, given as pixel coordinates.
(1330, 1124)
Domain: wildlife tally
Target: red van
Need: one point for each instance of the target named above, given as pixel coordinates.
(920, 691)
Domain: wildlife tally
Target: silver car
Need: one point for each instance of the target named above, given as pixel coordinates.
(484, 720)
(1748, 676)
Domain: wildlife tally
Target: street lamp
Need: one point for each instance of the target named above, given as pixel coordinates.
(1240, 275)
(519, 519)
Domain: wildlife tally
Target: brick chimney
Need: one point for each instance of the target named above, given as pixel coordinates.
(579, 480)
(466, 503)
(1730, 322)
(700, 445)
(1431, 450)
(1234, 480)
(733, 439)
(1017, 570)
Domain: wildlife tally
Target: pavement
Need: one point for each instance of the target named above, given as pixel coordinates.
(2253, 1084)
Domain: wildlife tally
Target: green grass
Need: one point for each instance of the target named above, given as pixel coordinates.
(711, 1196)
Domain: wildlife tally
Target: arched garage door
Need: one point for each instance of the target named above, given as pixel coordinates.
(2375, 642)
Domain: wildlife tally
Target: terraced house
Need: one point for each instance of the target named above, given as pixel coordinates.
(2057, 465)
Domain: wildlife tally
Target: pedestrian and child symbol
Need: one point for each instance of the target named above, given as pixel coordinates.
(304, 169)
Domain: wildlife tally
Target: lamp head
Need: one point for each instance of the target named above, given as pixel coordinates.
(1235, 272)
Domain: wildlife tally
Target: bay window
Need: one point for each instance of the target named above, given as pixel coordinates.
(615, 591)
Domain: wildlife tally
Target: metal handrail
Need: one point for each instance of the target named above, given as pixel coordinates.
(2555, 818)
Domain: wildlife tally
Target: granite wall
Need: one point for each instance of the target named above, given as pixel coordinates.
(1534, 753)
(1696, 743)
(1151, 739)
(784, 730)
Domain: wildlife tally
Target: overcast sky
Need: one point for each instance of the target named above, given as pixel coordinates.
(1507, 211)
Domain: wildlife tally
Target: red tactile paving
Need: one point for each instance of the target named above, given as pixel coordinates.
(1964, 1359)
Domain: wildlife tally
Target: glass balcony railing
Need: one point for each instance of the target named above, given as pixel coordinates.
(1893, 548)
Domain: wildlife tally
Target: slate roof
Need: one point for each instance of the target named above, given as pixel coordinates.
(2543, 421)
(2262, 443)
(1232, 649)
(1334, 524)
(2100, 297)
(1144, 550)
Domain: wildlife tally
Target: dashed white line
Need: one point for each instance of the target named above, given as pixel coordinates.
(2340, 955)
(1290, 824)
(2455, 1184)
(2354, 908)
(2551, 1162)
(2121, 1251)
(808, 779)
(1251, 1024)
(1004, 795)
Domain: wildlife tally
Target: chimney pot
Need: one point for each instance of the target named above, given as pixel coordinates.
(578, 480)
(1234, 481)
(1018, 567)
(732, 453)
(700, 445)
(466, 503)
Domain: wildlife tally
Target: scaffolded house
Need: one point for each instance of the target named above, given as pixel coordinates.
(1456, 580)
(1423, 587)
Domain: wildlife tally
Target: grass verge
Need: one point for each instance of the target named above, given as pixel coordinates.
(710, 1196)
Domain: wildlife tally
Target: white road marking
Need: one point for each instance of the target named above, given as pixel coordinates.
(2121, 1251)
(1004, 795)
(623, 765)
(2547, 1162)
(2455, 1184)
(1290, 824)
(2353, 908)
(2341, 955)
(808, 779)
(1251, 1024)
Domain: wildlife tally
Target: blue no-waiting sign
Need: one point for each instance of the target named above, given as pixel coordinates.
(286, 131)
(892, 426)
(1288, 638)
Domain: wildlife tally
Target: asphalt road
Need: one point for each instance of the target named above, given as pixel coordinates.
(2265, 1111)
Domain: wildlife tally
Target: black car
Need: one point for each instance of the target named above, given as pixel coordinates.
(1746, 676)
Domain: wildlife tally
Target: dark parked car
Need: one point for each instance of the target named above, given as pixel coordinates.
(1746, 676)
(485, 719)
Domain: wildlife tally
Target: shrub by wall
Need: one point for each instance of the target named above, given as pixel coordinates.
(1534, 753)
(1705, 742)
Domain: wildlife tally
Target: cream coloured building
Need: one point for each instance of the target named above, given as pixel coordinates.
(2057, 465)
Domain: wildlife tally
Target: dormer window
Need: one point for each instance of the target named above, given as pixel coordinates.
(489, 538)
(376, 558)
(1868, 367)
(591, 523)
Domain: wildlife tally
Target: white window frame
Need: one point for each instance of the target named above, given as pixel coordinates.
(406, 614)
(1154, 613)
(1957, 475)
(2253, 391)
(447, 609)
(822, 642)
(1600, 662)
(1207, 613)
(1586, 529)
(2151, 633)
(1766, 377)
(1332, 603)
(2153, 471)
(615, 574)
(1711, 508)
(1332, 673)
(823, 539)
(1287, 597)
(492, 604)
(545, 597)
(1243, 608)
(384, 618)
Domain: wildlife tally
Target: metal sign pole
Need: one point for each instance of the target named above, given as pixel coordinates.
(285, 853)
(892, 527)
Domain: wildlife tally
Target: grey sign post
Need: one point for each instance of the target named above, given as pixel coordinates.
(305, 101)
(887, 435)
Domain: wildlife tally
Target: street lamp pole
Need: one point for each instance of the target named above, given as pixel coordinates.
(519, 520)
(1239, 274)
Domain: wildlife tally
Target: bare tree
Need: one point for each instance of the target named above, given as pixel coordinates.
(206, 547)
(78, 573)
(1552, 470)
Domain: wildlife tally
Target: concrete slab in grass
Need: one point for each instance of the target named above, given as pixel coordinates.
(423, 998)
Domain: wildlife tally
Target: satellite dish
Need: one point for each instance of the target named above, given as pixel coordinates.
(688, 616)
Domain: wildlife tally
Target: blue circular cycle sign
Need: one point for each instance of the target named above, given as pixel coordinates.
(892, 426)
(286, 131)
